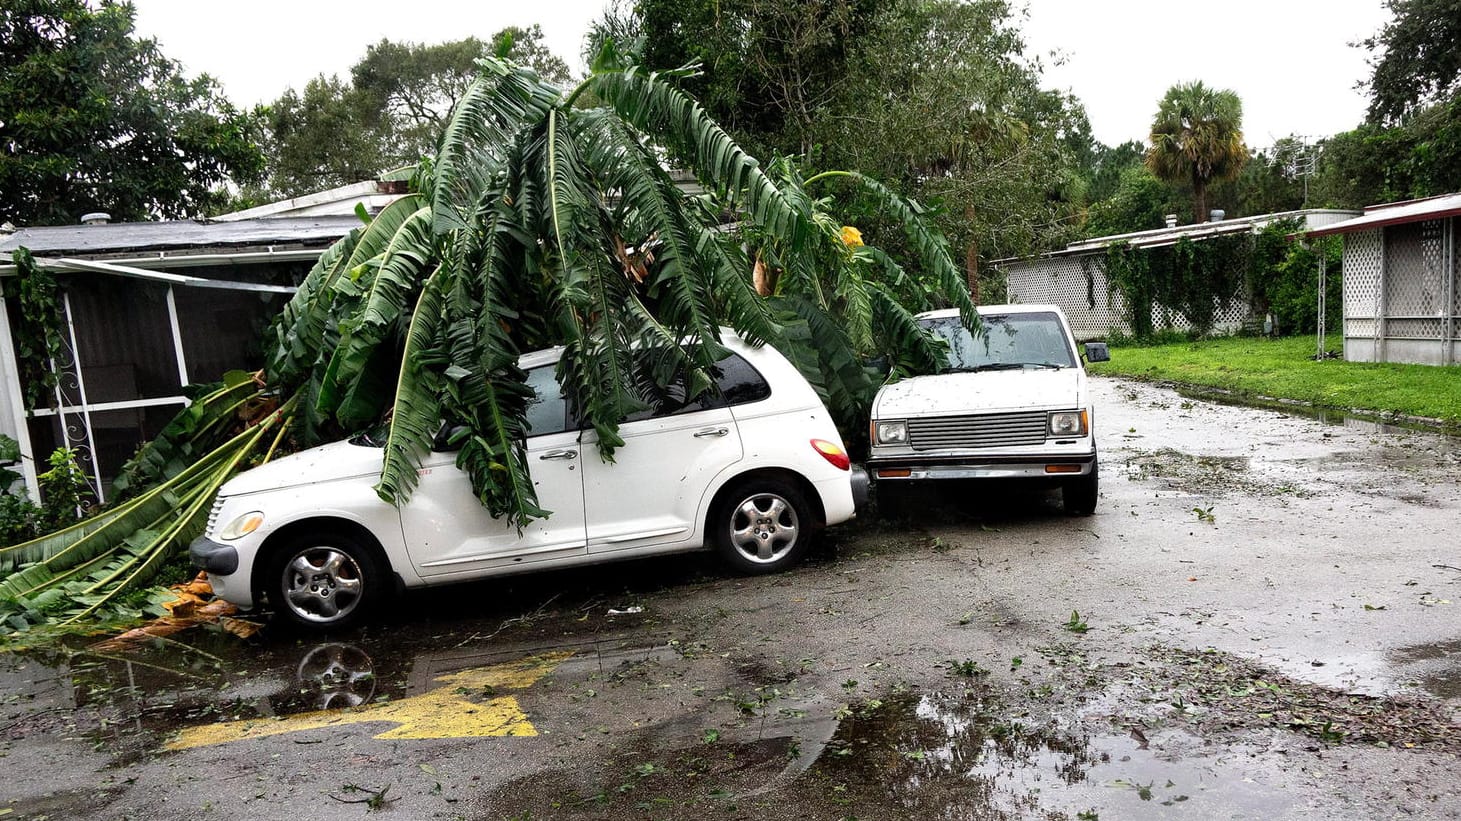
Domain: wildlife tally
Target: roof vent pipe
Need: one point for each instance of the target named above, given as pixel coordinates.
(1216, 215)
(96, 218)
(1171, 220)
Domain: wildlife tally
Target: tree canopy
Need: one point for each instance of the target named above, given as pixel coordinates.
(94, 119)
(935, 98)
(1417, 60)
(1197, 138)
(389, 113)
(1410, 144)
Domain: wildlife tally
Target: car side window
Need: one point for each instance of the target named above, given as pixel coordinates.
(737, 382)
(547, 410)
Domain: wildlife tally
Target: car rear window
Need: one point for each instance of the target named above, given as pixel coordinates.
(737, 382)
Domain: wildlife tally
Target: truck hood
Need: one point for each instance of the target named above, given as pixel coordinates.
(981, 392)
(337, 460)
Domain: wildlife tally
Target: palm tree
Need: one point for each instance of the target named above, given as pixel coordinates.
(539, 222)
(1197, 138)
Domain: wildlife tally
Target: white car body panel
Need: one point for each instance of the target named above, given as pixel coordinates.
(641, 497)
(449, 533)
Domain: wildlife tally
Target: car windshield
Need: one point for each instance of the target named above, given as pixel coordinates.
(1005, 342)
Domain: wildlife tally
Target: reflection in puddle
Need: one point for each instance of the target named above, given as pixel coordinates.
(949, 757)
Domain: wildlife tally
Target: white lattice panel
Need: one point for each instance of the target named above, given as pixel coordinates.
(1413, 328)
(1414, 280)
(1359, 327)
(1077, 284)
(1361, 278)
(1455, 227)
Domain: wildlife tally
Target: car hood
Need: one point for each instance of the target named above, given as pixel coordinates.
(981, 392)
(337, 460)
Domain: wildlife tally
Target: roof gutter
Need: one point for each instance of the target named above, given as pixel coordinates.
(158, 276)
(162, 260)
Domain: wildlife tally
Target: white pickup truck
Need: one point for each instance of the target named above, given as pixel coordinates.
(1012, 404)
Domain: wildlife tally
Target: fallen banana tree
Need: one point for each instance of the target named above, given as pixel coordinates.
(539, 222)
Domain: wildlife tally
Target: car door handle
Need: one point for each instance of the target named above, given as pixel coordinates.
(559, 454)
(701, 434)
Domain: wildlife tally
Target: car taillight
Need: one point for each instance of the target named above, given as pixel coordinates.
(833, 453)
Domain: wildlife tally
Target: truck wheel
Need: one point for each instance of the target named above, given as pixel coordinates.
(761, 526)
(324, 581)
(892, 500)
(1080, 494)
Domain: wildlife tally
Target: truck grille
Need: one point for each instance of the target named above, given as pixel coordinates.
(990, 430)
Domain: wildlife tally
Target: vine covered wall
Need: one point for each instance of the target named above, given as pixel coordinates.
(1197, 280)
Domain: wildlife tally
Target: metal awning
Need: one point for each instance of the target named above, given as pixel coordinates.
(1379, 216)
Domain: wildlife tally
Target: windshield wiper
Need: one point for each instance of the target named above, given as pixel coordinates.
(1005, 366)
(991, 366)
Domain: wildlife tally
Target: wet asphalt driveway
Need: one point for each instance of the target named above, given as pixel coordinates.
(1260, 621)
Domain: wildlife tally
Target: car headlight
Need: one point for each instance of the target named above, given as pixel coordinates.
(1068, 423)
(241, 526)
(891, 433)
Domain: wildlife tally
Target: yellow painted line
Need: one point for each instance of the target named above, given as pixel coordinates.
(443, 712)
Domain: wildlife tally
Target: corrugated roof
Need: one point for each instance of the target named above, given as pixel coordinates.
(1395, 213)
(83, 240)
(1158, 237)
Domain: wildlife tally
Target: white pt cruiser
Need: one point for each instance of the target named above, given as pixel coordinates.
(751, 468)
(1012, 404)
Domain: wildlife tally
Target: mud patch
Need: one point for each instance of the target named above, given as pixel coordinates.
(1437, 666)
(644, 779)
(1200, 475)
(1220, 695)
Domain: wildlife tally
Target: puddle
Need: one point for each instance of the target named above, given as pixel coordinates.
(946, 756)
(214, 689)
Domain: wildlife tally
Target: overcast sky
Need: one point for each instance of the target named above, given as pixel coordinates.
(1289, 60)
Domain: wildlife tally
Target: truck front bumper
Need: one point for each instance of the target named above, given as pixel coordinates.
(921, 467)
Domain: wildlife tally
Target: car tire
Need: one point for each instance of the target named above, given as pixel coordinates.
(1079, 495)
(325, 581)
(761, 526)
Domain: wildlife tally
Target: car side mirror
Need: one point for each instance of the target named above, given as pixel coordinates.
(1097, 352)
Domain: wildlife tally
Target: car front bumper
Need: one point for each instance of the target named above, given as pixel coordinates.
(214, 557)
(221, 562)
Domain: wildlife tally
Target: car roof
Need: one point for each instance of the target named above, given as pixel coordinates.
(549, 356)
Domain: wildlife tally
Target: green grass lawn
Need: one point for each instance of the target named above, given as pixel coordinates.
(1285, 369)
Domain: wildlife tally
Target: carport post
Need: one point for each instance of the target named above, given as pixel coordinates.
(12, 404)
(1323, 272)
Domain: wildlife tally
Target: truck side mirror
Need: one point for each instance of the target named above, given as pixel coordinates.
(1097, 352)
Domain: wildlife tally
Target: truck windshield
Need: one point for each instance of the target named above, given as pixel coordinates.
(1006, 342)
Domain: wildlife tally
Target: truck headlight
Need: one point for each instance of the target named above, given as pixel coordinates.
(241, 526)
(1069, 423)
(891, 433)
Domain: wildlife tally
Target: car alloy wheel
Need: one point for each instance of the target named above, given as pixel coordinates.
(762, 526)
(325, 581)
